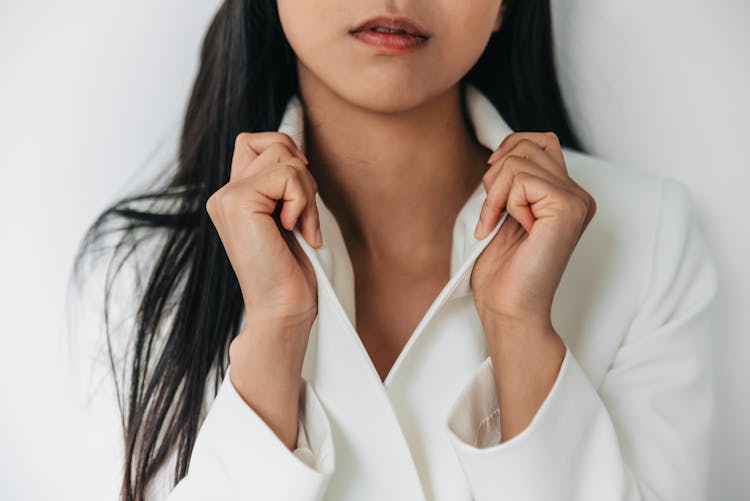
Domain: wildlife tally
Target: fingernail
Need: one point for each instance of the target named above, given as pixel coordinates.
(493, 157)
(478, 230)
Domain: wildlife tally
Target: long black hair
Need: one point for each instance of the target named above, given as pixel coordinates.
(247, 74)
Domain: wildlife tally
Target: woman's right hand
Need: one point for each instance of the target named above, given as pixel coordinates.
(277, 280)
(275, 276)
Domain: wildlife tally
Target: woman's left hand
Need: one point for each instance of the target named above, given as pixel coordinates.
(515, 278)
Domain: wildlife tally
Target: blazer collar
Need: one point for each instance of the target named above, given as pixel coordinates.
(332, 258)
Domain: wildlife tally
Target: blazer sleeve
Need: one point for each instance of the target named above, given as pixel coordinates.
(644, 432)
(236, 455)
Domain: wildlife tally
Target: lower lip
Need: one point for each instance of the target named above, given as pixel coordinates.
(394, 43)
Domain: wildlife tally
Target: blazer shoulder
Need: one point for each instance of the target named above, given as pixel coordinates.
(625, 194)
(610, 177)
(643, 237)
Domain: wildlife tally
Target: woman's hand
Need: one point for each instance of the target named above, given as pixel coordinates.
(515, 278)
(278, 283)
(274, 274)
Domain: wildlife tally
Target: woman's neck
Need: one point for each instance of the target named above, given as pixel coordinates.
(394, 181)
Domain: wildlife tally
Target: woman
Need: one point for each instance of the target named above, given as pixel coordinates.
(349, 280)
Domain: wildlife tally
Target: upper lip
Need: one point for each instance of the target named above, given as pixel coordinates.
(396, 23)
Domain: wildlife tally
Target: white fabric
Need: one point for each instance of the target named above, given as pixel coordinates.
(628, 417)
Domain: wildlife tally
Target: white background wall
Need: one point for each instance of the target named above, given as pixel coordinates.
(92, 92)
(665, 86)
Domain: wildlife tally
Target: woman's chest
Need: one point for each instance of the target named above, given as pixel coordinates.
(390, 302)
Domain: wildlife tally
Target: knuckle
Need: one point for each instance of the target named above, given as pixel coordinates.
(553, 137)
(289, 171)
(236, 348)
(512, 161)
(488, 175)
(285, 140)
(525, 144)
(278, 150)
(486, 179)
(587, 199)
(229, 198)
(211, 203)
(523, 176)
(513, 167)
(295, 162)
(507, 169)
(283, 137)
(242, 138)
(503, 167)
(580, 205)
(590, 207)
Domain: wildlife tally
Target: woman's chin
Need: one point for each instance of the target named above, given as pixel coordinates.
(389, 97)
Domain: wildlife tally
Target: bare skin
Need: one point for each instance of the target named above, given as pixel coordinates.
(393, 291)
(391, 299)
(399, 266)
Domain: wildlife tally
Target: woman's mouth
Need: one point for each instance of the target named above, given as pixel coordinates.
(394, 41)
(391, 34)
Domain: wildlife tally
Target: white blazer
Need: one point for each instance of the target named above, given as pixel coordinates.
(628, 418)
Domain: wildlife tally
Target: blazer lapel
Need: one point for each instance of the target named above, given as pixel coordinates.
(367, 428)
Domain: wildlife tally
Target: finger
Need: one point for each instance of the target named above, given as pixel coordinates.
(592, 211)
(518, 205)
(532, 199)
(573, 189)
(547, 141)
(249, 145)
(299, 205)
(308, 219)
(311, 224)
(498, 192)
(262, 192)
(249, 162)
(514, 162)
(259, 141)
(526, 192)
(525, 148)
(590, 207)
